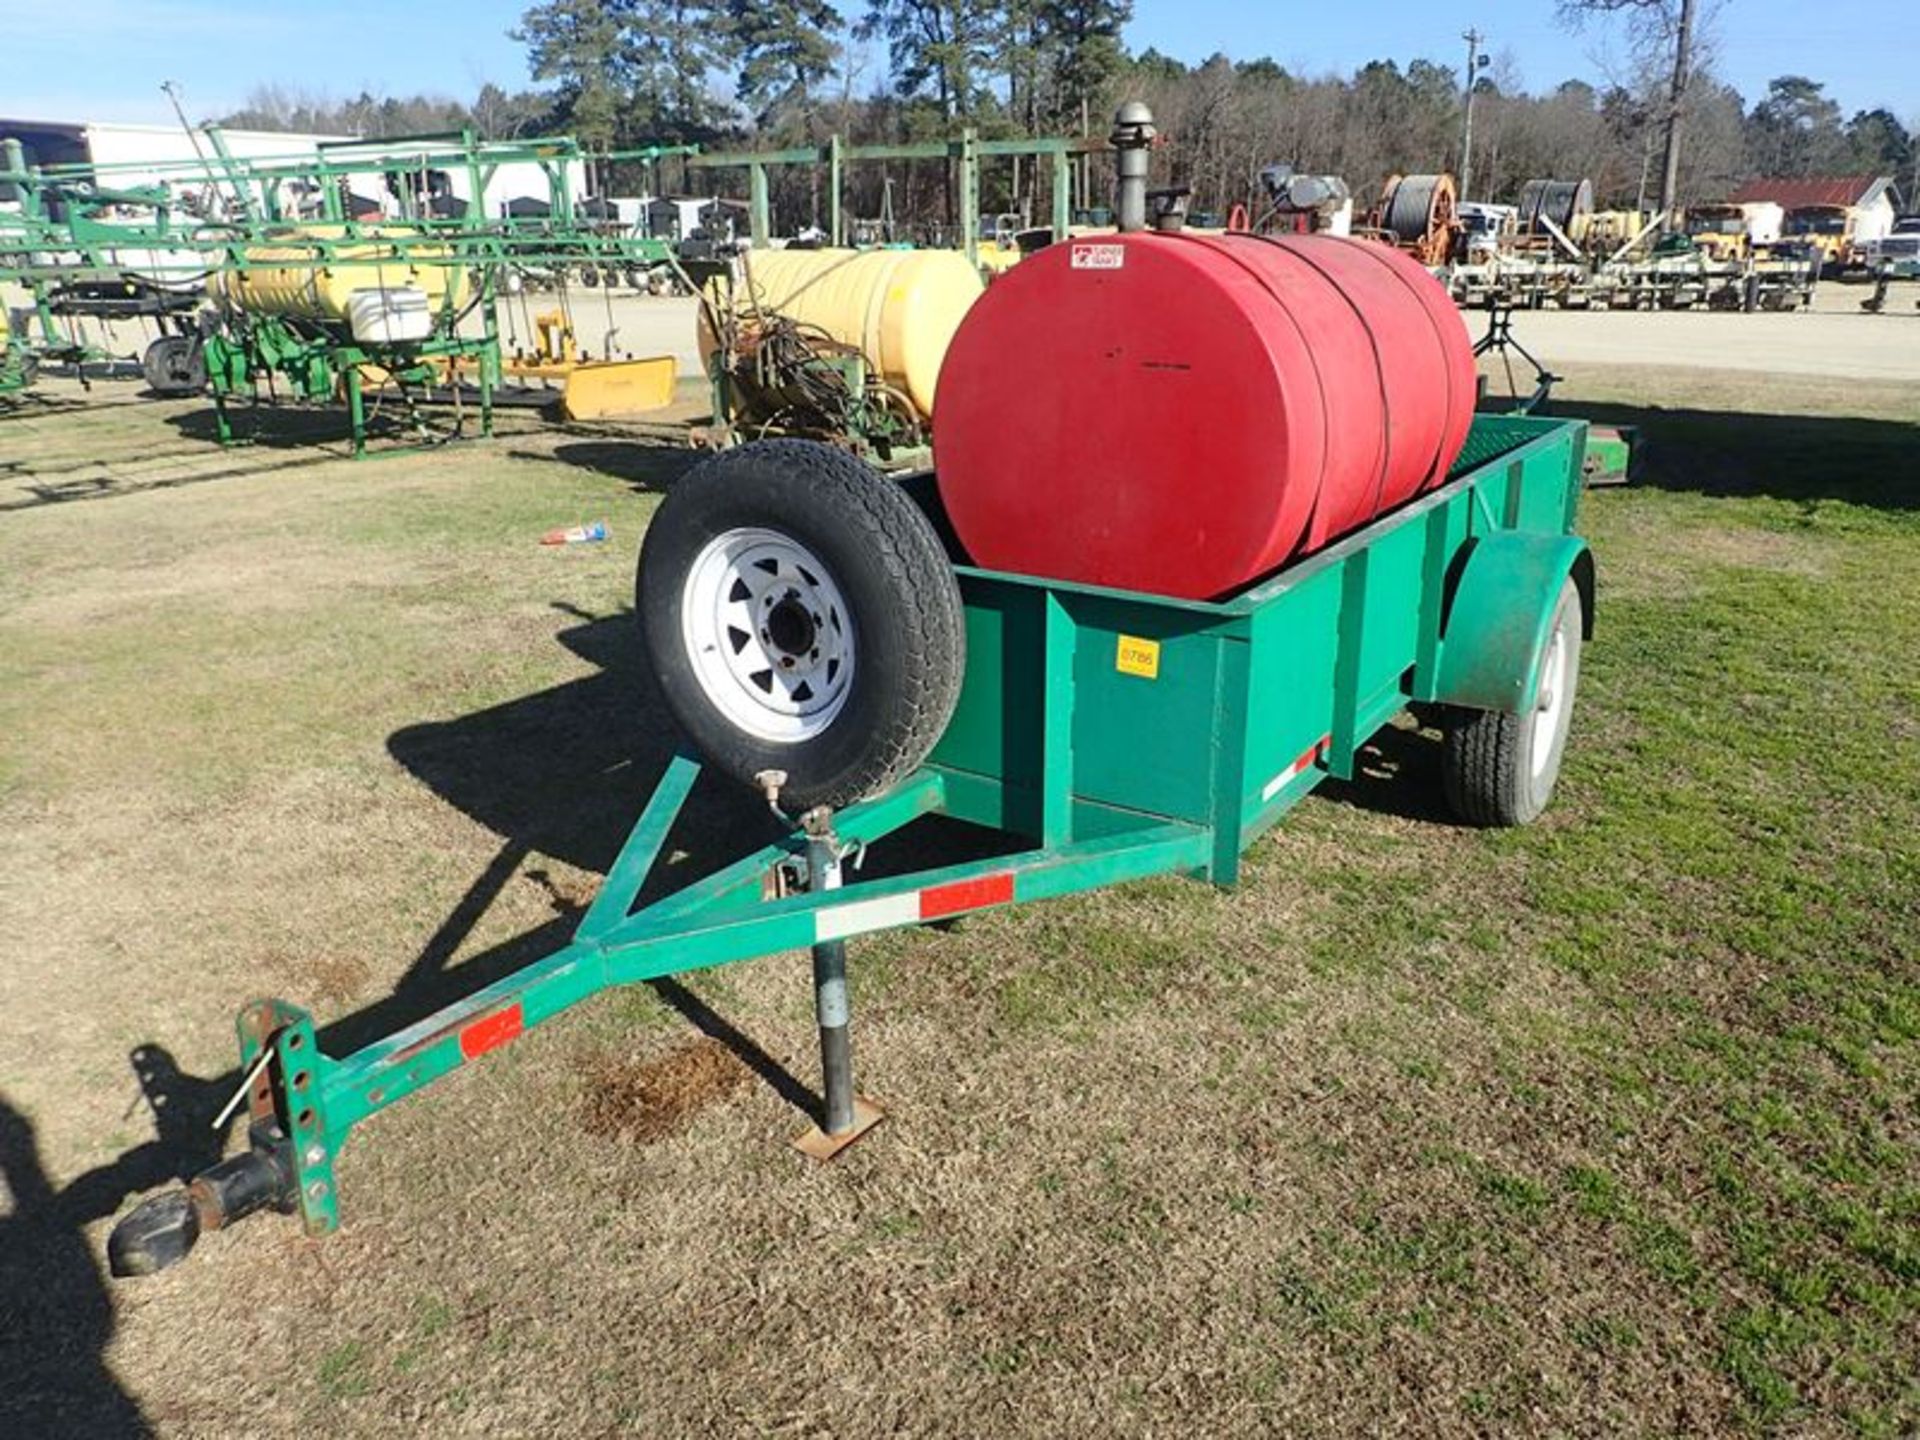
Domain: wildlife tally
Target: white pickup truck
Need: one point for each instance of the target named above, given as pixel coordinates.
(1898, 253)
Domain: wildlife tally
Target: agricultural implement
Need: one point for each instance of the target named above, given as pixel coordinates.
(280, 279)
(589, 389)
(837, 345)
(17, 363)
(845, 645)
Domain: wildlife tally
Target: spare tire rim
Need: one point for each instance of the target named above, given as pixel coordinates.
(769, 634)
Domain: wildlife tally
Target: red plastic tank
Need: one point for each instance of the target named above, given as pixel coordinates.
(1181, 414)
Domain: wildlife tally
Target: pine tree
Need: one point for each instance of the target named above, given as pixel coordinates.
(631, 70)
(672, 48)
(579, 43)
(1081, 42)
(938, 49)
(787, 47)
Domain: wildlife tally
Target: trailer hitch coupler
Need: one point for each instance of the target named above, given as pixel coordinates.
(163, 1229)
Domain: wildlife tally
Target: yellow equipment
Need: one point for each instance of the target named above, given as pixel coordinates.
(592, 389)
(1603, 231)
(997, 256)
(316, 272)
(1827, 228)
(589, 389)
(1719, 230)
(898, 308)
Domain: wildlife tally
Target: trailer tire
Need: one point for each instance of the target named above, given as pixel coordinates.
(175, 365)
(853, 675)
(1499, 767)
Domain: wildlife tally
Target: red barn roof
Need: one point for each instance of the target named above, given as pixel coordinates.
(1815, 190)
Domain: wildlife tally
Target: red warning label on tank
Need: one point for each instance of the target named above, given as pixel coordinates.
(1099, 257)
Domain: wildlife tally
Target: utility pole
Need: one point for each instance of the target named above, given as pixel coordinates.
(1475, 60)
(1676, 103)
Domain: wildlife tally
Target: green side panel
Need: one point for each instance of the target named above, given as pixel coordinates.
(1536, 488)
(1290, 704)
(1448, 527)
(997, 726)
(1389, 623)
(1144, 743)
(1147, 743)
(1249, 694)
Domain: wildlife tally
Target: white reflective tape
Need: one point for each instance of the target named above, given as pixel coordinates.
(839, 921)
(1292, 773)
(1280, 782)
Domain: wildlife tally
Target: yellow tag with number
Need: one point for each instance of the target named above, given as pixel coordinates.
(1135, 656)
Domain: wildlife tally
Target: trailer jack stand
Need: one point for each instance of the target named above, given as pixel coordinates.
(161, 1230)
(844, 1116)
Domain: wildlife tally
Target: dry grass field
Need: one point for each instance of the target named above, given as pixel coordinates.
(1607, 1126)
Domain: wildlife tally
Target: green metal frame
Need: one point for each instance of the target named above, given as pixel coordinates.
(1119, 735)
(94, 235)
(966, 152)
(320, 369)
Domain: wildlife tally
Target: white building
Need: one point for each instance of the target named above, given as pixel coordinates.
(132, 156)
(147, 154)
(1860, 207)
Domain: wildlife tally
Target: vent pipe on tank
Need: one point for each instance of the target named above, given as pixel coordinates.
(1132, 137)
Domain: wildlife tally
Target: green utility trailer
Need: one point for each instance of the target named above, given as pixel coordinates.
(1104, 735)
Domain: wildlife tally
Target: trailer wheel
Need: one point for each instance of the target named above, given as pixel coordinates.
(800, 615)
(175, 365)
(1499, 768)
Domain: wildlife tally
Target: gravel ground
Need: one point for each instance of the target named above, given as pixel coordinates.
(1835, 339)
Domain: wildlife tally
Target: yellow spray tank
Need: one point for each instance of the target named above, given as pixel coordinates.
(387, 265)
(899, 308)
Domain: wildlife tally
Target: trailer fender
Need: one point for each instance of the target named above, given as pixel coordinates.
(1498, 614)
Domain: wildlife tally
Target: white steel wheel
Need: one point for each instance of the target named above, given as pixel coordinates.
(1550, 710)
(800, 615)
(769, 634)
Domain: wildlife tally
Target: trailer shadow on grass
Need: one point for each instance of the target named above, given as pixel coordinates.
(1396, 773)
(1801, 458)
(561, 773)
(649, 467)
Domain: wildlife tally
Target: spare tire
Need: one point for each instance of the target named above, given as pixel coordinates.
(800, 615)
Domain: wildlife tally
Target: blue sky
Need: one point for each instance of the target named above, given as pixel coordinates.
(104, 59)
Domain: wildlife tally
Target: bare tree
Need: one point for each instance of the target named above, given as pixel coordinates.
(1667, 31)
